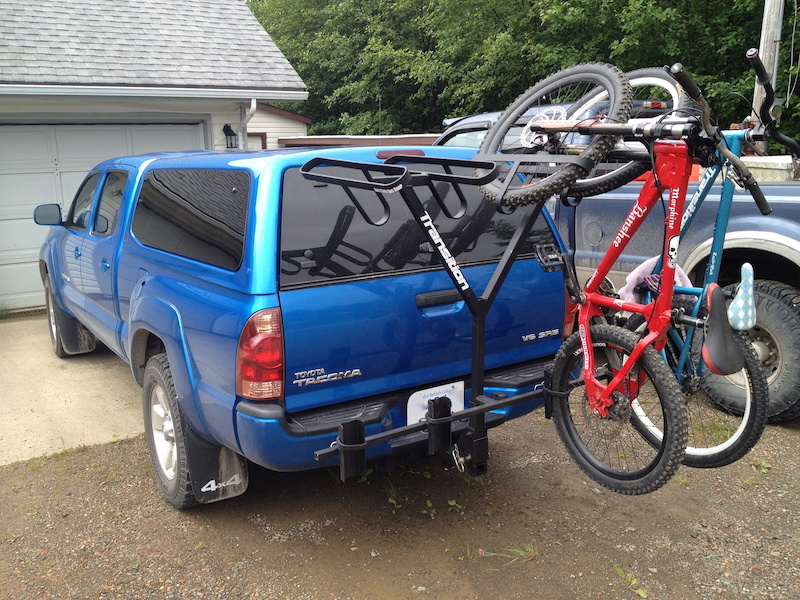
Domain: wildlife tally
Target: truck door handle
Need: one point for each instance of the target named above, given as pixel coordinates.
(104, 266)
(77, 252)
(438, 297)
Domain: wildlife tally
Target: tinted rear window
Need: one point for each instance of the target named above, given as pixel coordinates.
(324, 237)
(199, 214)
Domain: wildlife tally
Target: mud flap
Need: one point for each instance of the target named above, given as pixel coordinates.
(75, 338)
(217, 473)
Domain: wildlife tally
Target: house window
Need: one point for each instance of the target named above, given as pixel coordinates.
(256, 141)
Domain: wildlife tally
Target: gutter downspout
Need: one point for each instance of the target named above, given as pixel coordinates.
(244, 120)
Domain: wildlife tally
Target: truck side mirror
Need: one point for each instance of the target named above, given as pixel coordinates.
(47, 214)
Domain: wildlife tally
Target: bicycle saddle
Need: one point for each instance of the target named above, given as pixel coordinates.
(721, 352)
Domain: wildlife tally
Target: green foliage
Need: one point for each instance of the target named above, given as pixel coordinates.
(631, 582)
(401, 66)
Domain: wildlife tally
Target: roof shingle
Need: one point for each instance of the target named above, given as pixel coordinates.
(163, 43)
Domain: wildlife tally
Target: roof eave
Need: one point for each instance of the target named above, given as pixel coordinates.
(106, 91)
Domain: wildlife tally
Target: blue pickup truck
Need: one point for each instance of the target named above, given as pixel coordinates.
(259, 309)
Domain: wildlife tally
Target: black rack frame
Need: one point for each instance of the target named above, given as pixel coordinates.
(470, 452)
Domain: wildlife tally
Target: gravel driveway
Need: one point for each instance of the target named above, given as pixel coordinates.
(90, 523)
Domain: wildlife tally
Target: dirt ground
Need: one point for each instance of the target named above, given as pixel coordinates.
(90, 523)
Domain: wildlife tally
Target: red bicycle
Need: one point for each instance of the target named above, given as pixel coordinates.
(615, 401)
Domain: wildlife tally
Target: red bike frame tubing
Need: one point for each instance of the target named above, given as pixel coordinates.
(674, 168)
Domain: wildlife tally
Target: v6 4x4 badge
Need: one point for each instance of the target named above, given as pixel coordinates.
(312, 376)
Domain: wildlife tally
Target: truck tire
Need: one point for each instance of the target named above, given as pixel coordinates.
(165, 429)
(53, 318)
(776, 338)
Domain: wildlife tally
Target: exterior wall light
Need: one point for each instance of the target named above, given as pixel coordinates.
(230, 137)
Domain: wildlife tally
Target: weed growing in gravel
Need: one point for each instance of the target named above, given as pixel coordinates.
(430, 510)
(525, 553)
(630, 582)
(454, 506)
(762, 466)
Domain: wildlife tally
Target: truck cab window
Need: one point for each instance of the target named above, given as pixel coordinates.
(82, 204)
(108, 205)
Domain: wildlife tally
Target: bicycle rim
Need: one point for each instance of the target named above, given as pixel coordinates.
(611, 450)
(727, 413)
(652, 87)
(578, 94)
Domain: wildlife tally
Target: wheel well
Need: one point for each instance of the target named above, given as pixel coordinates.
(43, 273)
(145, 344)
(766, 265)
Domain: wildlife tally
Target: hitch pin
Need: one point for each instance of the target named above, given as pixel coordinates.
(459, 460)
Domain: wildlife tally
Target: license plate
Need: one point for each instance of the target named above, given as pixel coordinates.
(417, 405)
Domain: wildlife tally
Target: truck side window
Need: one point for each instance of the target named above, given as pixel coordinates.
(108, 206)
(195, 213)
(338, 243)
(82, 204)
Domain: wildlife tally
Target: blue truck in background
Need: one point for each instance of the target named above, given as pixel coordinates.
(259, 309)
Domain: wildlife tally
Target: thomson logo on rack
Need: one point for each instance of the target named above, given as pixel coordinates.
(451, 263)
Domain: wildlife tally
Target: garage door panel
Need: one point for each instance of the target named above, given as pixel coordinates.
(20, 286)
(24, 148)
(41, 164)
(22, 239)
(82, 145)
(22, 192)
(165, 138)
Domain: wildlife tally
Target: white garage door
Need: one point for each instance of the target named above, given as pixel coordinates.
(40, 164)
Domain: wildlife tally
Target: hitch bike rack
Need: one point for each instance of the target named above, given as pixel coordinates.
(470, 452)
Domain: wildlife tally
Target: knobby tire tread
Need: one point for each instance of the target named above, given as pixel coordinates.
(621, 101)
(670, 457)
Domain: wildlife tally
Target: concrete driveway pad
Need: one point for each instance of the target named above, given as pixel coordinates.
(49, 404)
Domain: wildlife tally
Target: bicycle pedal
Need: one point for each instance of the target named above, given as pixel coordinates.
(742, 309)
(550, 257)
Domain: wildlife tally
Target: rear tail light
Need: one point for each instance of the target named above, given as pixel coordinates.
(259, 360)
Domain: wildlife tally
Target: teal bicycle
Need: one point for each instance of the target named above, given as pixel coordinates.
(727, 412)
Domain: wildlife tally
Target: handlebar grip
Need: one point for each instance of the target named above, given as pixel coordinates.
(681, 76)
(755, 191)
(758, 66)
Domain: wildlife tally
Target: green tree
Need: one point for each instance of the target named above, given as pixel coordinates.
(399, 66)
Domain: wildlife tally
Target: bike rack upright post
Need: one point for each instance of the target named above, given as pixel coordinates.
(471, 451)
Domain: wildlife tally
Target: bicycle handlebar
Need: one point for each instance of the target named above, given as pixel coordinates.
(684, 79)
(678, 128)
(771, 127)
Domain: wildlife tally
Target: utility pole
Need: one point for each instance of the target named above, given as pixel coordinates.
(770, 42)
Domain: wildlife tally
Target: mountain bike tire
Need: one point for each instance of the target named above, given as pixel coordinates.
(727, 413)
(610, 450)
(650, 83)
(577, 94)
